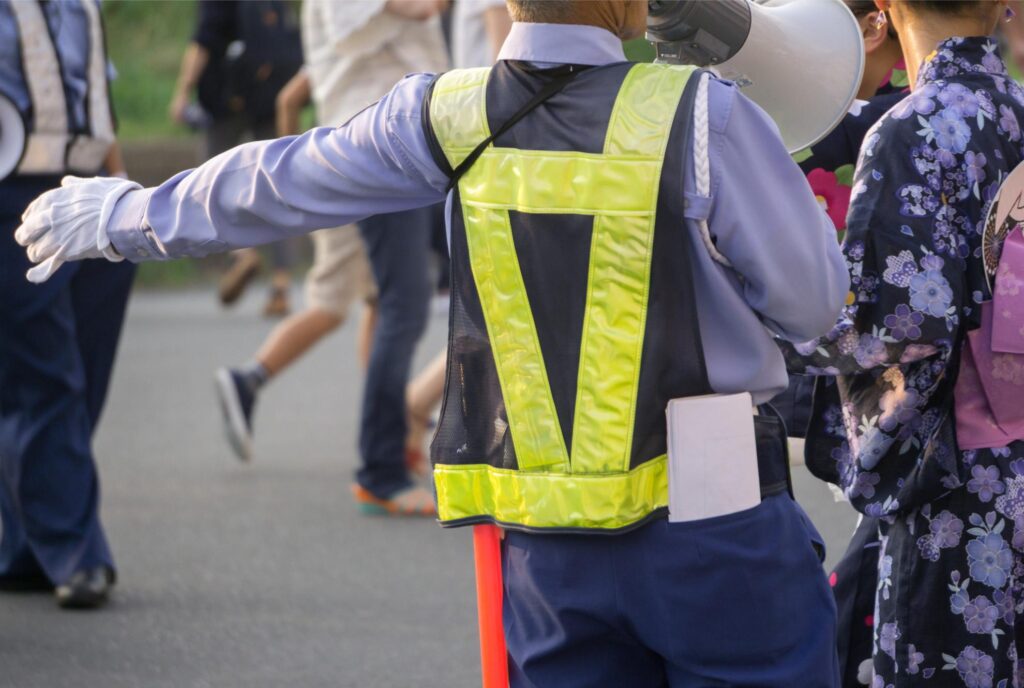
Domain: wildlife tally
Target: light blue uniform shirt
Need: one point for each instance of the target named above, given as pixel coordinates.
(69, 27)
(788, 275)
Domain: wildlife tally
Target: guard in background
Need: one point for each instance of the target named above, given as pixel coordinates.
(588, 288)
(57, 340)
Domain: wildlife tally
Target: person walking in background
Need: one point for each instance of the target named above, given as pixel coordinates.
(479, 27)
(355, 52)
(241, 54)
(340, 274)
(57, 340)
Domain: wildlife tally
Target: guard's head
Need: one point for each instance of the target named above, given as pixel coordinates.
(625, 18)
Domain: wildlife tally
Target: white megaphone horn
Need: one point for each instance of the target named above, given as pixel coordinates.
(12, 137)
(800, 60)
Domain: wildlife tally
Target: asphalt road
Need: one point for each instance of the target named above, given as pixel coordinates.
(259, 575)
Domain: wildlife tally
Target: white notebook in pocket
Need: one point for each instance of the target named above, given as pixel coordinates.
(712, 456)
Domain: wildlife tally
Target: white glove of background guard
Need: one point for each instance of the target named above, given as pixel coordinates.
(70, 223)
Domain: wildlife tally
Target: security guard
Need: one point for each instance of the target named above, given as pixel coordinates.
(57, 340)
(589, 242)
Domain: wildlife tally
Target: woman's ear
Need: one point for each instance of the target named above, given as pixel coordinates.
(873, 32)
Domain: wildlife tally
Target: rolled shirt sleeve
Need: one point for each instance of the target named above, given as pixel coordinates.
(378, 162)
(766, 221)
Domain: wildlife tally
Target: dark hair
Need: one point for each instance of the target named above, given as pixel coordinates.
(955, 7)
(861, 7)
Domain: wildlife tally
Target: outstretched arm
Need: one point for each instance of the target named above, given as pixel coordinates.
(256, 193)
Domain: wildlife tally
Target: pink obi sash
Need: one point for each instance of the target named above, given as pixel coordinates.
(989, 394)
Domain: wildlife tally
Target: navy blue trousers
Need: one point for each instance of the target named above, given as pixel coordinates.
(57, 346)
(398, 246)
(737, 600)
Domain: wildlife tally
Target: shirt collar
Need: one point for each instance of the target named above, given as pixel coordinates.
(958, 55)
(561, 44)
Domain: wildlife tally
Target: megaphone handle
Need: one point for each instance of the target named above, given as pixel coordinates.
(487, 559)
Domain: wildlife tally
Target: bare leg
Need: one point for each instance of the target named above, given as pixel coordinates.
(237, 388)
(421, 396)
(245, 264)
(294, 337)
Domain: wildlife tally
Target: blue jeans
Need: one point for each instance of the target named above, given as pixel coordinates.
(737, 600)
(398, 247)
(57, 346)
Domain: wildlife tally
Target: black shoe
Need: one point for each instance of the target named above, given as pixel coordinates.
(236, 402)
(87, 589)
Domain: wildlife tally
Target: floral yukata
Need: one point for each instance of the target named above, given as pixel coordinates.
(950, 591)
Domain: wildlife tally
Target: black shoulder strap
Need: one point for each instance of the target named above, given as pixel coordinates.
(561, 76)
(556, 84)
(440, 159)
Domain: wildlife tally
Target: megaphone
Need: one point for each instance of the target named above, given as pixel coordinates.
(12, 137)
(800, 60)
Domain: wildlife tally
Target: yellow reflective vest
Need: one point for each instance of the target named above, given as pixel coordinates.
(573, 321)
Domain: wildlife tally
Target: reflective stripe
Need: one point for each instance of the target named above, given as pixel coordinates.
(458, 112)
(620, 266)
(458, 107)
(561, 182)
(42, 70)
(551, 500)
(521, 372)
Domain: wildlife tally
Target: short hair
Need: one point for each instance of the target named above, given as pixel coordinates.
(541, 11)
(861, 7)
(949, 7)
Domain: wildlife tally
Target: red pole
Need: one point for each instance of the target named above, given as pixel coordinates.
(487, 556)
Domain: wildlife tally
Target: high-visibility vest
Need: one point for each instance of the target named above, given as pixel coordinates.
(53, 144)
(573, 320)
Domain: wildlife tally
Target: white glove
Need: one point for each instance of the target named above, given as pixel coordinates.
(70, 223)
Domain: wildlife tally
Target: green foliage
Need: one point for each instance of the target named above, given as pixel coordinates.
(145, 41)
(844, 175)
(639, 50)
(802, 155)
(899, 78)
(173, 273)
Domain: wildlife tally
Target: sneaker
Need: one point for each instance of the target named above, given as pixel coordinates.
(412, 501)
(243, 269)
(236, 403)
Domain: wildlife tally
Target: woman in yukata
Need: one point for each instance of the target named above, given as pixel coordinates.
(949, 605)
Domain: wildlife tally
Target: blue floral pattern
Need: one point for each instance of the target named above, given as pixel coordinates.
(950, 584)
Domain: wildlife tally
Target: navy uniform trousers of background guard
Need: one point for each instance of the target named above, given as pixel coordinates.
(58, 341)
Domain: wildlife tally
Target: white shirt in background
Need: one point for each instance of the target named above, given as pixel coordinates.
(355, 52)
(470, 45)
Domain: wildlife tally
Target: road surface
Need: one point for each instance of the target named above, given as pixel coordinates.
(260, 575)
